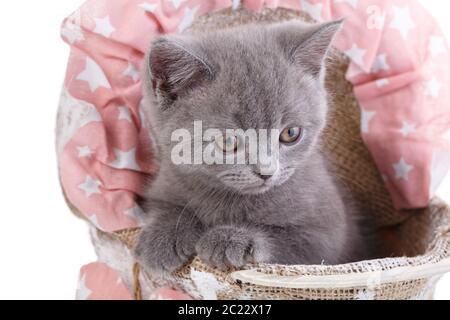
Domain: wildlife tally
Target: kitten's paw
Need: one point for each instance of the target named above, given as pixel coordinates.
(163, 250)
(226, 246)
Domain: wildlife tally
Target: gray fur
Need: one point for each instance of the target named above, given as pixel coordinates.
(248, 77)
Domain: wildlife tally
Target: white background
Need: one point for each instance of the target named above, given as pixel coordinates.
(42, 245)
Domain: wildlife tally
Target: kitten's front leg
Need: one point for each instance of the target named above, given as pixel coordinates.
(168, 241)
(231, 246)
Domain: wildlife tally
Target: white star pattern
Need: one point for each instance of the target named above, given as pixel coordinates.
(433, 87)
(407, 128)
(355, 71)
(176, 3)
(356, 54)
(132, 72)
(72, 32)
(376, 18)
(353, 3)
(125, 114)
(83, 292)
(380, 21)
(380, 63)
(104, 27)
(402, 21)
(314, 10)
(84, 152)
(382, 83)
(136, 213)
(87, 114)
(188, 18)
(365, 294)
(236, 4)
(91, 116)
(148, 7)
(446, 136)
(94, 220)
(437, 46)
(142, 117)
(94, 76)
(125, 160)
(74, 114)
(366, 117)
(402, 169)
(90, 186)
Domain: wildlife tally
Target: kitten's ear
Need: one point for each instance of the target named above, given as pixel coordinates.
(176, 66)
(306, 45)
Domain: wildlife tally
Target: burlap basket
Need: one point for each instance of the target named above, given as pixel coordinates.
(418, 241)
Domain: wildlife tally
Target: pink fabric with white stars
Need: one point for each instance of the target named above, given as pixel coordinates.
(100, 282)
(400, 70)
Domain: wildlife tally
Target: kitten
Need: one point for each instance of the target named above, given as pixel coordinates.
(269, 77)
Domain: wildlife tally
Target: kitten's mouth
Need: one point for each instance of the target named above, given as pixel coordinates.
(256, 184)
(258, 189)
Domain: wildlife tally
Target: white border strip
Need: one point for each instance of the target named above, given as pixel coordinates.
(365, 279)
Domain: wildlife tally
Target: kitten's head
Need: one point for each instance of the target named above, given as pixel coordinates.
(252, 77)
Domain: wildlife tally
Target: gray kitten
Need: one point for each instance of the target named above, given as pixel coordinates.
(230, 215)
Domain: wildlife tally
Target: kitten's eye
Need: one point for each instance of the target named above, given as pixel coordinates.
(290, 135)
(227, 144)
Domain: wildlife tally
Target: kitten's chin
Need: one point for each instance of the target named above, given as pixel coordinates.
(259, 189)
(255, 190)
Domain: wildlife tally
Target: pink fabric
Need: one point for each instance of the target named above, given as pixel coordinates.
(99, 282)
(400, 69)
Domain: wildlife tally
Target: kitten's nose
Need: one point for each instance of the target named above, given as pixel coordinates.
(265, 172)
(263, 176)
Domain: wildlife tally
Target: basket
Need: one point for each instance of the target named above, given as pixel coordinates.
(417, 241)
